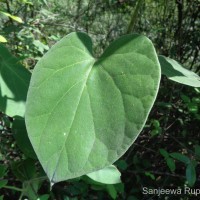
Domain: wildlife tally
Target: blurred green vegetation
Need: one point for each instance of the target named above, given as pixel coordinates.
(167, 152)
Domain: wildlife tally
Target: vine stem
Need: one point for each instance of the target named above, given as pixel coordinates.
(134, 16)
(13, 188)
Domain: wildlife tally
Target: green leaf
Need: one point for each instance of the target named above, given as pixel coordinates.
(83, 113)
(119, 187)
(122, 164)
(44, 197)
(155, 132)
(21, 137)
(2, 39)
(24, 170)
(3, 183)
(185, 98)
(180, 157)
(150, 175)
(174, 71)
(171, 164)
(14, 82)
(111, 191)
(25, 2)
(196, 100)
(191, 174)
(90, 181)
(45, 2)
(16, 18)
(193, 107)
(156, 123)
(41, 47)
(164, 153)
(30, 189)
(108, 175)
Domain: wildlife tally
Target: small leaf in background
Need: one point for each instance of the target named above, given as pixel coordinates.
(45, 2)
(40, 46)
(119, 187)
(24, 170)
(55, 37)
(156, 123)
(196, 100)
(26, 2)
(112, 191)
(149, 174)
(192, 107)
(18, 19)
(180, 157)
(108, 175)
(15, 18)
(121, 164)
(174, 71)
(156, 129)
(30, 189)
(164, 104)
(155, 132)
(2, 39)
(171, 164)
(185, 98)
(191, 173)
(164, 153)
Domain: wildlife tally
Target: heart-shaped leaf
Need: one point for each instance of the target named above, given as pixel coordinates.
(83, 113)
(14, 82)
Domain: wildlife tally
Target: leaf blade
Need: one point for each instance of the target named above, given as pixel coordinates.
(108, 175)
(15, 18)
(191, 174)
(2, 39)
(86, 96)
(14, 82)
(175, 72)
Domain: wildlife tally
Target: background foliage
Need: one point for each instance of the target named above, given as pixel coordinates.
(167, 152)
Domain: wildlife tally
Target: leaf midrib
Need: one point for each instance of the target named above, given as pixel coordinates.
(84, 84)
